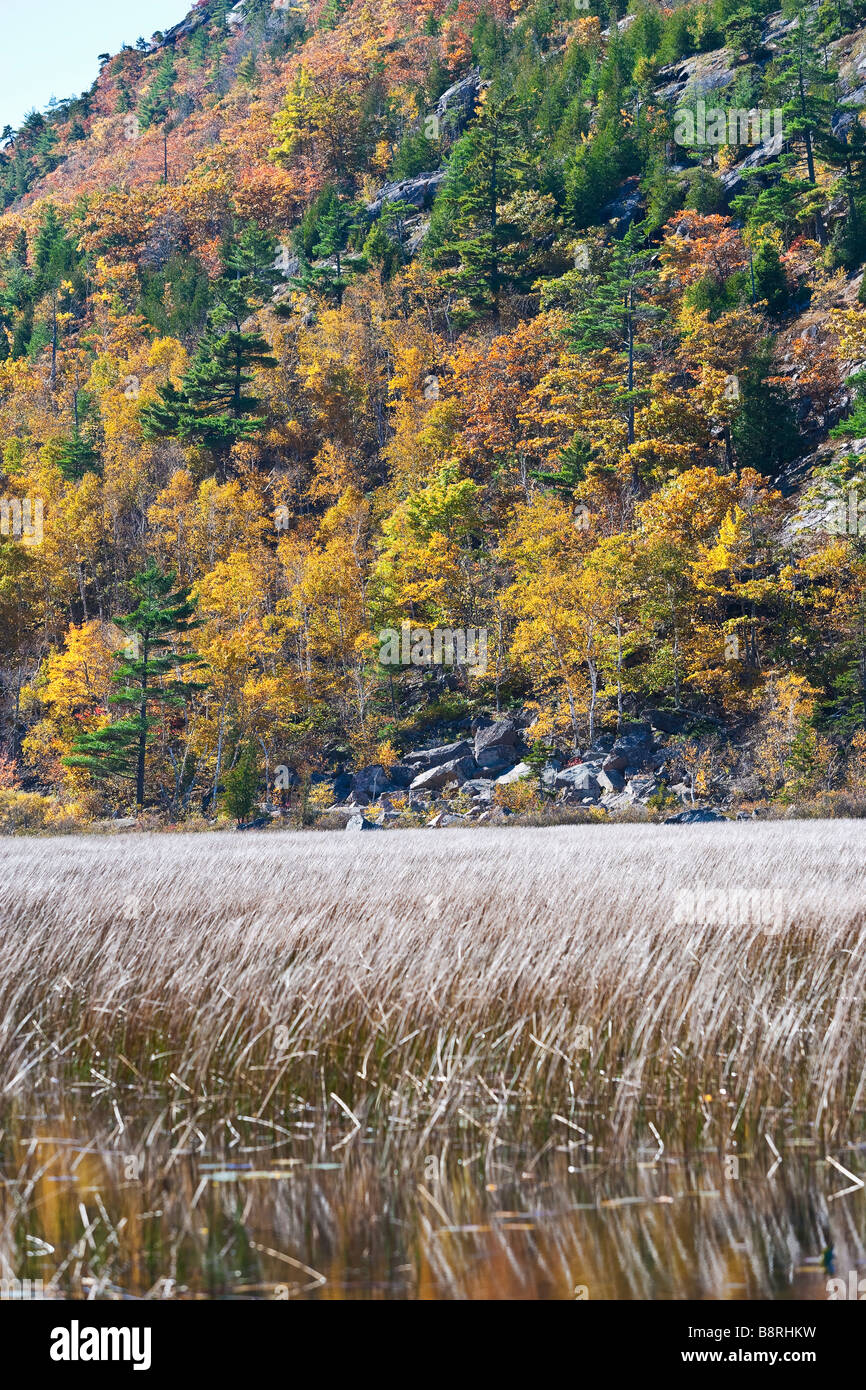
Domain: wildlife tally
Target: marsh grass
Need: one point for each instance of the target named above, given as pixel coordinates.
(400, 983)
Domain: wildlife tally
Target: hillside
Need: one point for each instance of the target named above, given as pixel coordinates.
(478, 374)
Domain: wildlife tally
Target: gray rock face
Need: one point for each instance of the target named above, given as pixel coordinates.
(495, 737)
(696, 76)
(444, 775)
(420, 191)
(426, 758)
(697, 817)
(456, 106)
(611, 781)
(516, 774)
(623, 208)
(732, 179)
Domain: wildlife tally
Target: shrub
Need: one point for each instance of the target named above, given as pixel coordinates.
(23, 813)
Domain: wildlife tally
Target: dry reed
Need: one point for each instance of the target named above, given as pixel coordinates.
(402, 982)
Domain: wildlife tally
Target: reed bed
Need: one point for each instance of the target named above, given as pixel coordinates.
(537, 984)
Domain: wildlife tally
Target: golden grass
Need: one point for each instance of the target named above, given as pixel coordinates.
(402, 980)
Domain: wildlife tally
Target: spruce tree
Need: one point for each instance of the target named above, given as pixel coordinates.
(214, 406)
(471, 240)
(613, 311)
(144, 677)
(335, 263)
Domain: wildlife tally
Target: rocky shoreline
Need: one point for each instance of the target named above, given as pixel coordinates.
(466, 780)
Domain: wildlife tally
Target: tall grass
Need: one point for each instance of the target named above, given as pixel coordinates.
(399, 983)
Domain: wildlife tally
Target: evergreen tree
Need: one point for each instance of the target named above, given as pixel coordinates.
(214, 407)
(331, 276)
(143, 678)
(764, 429)
(76, 457)
(573, 462)
(613, 311)
(242, 785)
(804, 83)
(469, 236)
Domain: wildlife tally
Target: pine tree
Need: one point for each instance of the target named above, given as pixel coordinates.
(242, 785)
(805, 85)
(143, 677)
(613, 311)
(336, 265)
(469, 237)
(214, 407)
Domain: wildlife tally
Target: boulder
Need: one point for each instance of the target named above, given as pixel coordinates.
(698, 816)
(494, 762)
(479, 788)
(495, 737)
(549, 774)
(631, 749)
(425, 758)
(371, 781)
(611, 781)
(516, 774)
(443, 820)
(361, 823)
(642, 788)
(583, 777)
(342, 785)
(667, 721)
(444, 775)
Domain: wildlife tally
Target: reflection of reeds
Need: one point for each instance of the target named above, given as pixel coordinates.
(410, 981)
(202, 1225)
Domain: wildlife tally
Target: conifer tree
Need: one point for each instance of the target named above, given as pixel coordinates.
(804, 83)
(146, 675)
(337, 264)
(470, 238)
(214, 406)
(612, 314)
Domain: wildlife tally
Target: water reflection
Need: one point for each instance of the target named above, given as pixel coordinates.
(289, 1215)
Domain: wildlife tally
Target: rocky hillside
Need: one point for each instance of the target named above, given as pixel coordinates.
(341, 339)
